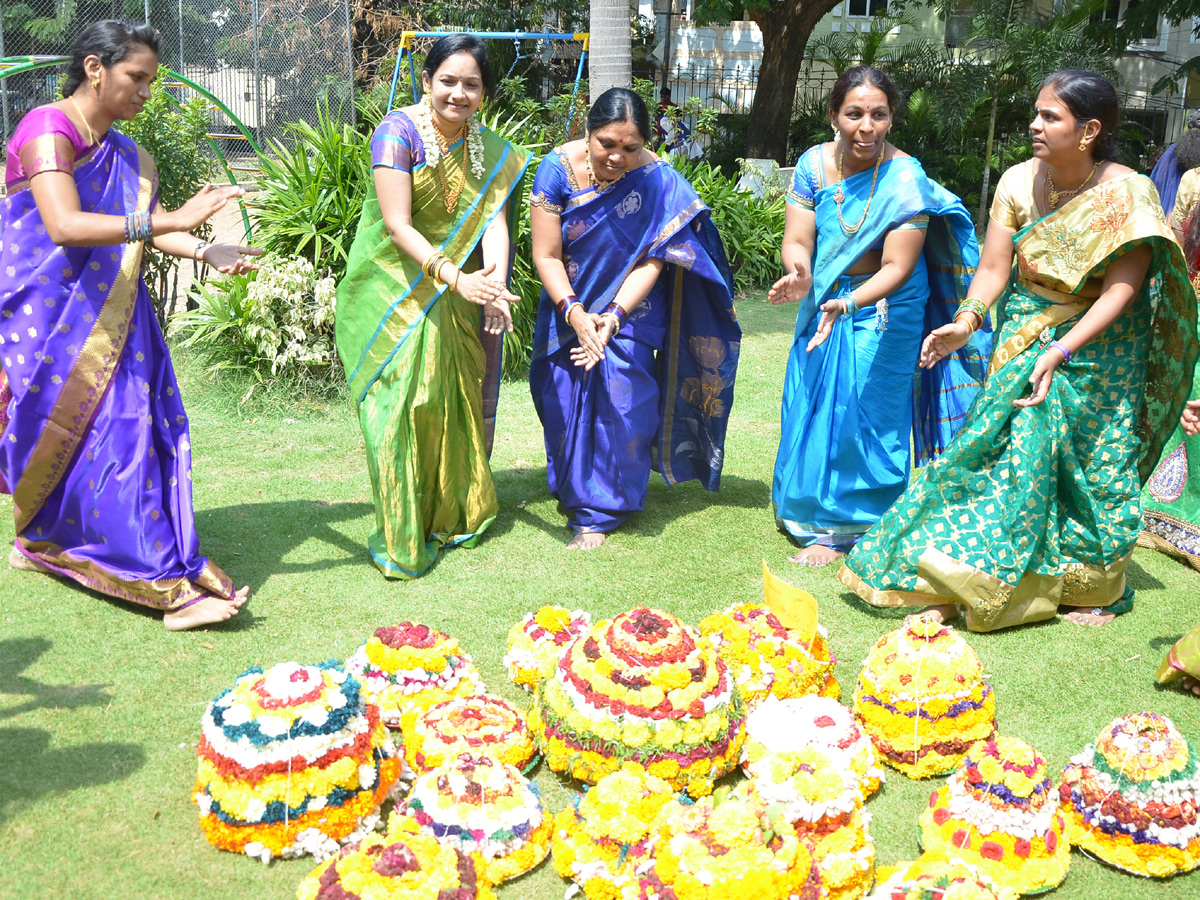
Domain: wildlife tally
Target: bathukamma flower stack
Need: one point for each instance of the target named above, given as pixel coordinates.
(723, 848)
(642, 687)
(765, 658)
(292, 761)
(822, 800)
(485, 808)
(922, 699)
(781, 726)
(1000, 812)
(594, 836)
(409, 667)
(937, 876)
(537, 642)
(481, 724)
(403, 863)
(1131, 798)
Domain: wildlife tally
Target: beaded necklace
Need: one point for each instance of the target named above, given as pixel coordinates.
(838, 196)
(593, 180)
(437, 147)
(451, 193)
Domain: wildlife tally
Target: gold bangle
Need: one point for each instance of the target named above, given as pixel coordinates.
(437, 272)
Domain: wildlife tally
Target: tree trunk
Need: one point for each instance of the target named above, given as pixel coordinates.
(610, 50)
(981, 219)
(785, 33)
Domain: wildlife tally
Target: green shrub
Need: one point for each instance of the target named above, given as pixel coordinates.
(174, 134)
(273, 324)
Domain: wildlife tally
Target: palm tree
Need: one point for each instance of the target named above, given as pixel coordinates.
(610, 63)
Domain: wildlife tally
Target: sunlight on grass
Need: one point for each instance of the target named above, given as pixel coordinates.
(100, 706)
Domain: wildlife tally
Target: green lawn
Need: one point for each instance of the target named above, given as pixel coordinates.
(100, 706)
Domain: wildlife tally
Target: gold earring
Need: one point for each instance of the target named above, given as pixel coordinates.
(1082, 144)
(96, 83)
(837, 134)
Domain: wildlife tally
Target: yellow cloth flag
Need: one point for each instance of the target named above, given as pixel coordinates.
(795, 608)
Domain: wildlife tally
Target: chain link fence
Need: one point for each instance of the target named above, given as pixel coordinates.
(269, 61)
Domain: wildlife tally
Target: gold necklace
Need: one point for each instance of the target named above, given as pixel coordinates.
(838, 196)
(1053, 195)
(86, 123)
(593, 180)
(451, 194)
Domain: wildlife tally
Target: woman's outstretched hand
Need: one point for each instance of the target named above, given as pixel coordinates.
(941, 342)
(200, 208)
(1041, 377)
(791, 288)
(480, 287)
(831, 311)
(230, 259)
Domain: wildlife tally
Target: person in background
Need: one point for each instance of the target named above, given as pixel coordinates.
(94, 441)
(662, 116)
(1177, 159)
(422, 310)
(636, 342)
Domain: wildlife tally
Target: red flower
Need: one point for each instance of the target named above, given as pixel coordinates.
(824, 722)
(961, 840)
(696, 709)
(1051, 840)
(616, 707)
(1021, 847)
(905, 678)
(991, 850)
(941, 816)
(933, 800)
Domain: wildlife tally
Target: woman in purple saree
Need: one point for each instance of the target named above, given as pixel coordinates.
(636, 343)
(94, 444)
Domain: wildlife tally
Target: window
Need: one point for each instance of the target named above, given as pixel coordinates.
(1115, 11)
(958, 24)
(865, 9)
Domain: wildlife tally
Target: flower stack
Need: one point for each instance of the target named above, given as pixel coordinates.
(1131, 798)
(404, 862)
(481, 725)
(1000, 812)
(644, 688)
(408, 668)
(537, 642)
(292, 761)
(822, 799)
(766, 659)
(594, 836)
(938, 876)
(486, 809)
(781, 726)
(724, 848)
(922, 699)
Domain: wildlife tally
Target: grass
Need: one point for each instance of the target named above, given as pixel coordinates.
(100, 706)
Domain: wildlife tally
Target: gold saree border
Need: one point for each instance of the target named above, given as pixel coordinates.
(990, 603)
(90, 376)
(22, 184)
(1151, 541)
(164, 594)
(1028, 334)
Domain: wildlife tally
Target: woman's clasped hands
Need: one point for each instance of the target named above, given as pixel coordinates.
(484, 289)
(594, 332)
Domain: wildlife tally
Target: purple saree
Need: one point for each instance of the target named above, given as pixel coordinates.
(661, 396)
(94, 447)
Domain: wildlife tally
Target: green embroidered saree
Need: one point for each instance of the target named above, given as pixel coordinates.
(420, 377)
(1033, 507)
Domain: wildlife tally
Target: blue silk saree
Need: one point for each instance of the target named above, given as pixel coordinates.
(661, 396)
(856, 407)
(95, 447)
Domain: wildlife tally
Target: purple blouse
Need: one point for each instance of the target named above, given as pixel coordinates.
(53, 142)
(396, 144)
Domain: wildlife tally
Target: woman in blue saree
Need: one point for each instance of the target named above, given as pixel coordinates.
(94, 444)
(636, 341)
(877, 254)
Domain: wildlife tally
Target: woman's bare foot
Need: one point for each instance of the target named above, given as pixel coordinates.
(1191, 684)
(816, 555)
(19, 560)
(208, 611)
(1093, 617)
(586, 540)
(939, 615)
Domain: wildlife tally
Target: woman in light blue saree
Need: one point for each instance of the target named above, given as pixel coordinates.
(877, 254)
(636, 342)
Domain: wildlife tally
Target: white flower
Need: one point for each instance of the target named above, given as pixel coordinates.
(255, 810)
(366, 776)
(273, 726)
(433, 151)
(237, 715)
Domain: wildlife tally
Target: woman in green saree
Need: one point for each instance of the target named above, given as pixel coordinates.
(1036, 503)
(421, 317)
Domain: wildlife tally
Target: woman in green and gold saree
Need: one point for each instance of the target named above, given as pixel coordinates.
(1036, 503)
(423, 308)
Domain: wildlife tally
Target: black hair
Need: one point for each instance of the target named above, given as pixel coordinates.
(1187, 150)
(445, 47)
(111, 40)
(665, 92)
(620, 105)
(1090, 96)
(858, 76)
